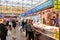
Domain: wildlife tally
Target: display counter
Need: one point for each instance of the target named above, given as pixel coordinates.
(49, 31)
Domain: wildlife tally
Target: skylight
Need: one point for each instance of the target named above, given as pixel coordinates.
(20, 3)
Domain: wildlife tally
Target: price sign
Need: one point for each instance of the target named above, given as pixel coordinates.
(57, 5)
(56, 34)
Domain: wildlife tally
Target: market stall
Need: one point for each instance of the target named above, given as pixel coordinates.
(47, 27)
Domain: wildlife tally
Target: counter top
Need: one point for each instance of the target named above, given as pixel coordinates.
(40, 27)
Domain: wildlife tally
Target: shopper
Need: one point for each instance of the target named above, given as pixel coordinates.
(26, 27)
(7, 23)
(20, 22)
(44, 21)
(14, 24)
(24, 24)
(17, 23)
(55, 21)
(10, 26)
(3, 31)
(30, 30)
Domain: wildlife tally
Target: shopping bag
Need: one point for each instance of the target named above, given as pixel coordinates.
(9, 33)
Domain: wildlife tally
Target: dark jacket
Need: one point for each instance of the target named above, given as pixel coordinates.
(3, 29)
(24, 23)
(7, 23)
(14, 24)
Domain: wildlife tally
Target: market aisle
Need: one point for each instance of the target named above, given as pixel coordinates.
(20, 36)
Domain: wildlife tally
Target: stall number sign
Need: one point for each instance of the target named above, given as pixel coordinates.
(57, 5)
(1, 20)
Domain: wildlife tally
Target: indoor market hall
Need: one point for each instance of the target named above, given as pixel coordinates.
(29, 20)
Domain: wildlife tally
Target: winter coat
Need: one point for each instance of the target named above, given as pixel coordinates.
(3, 30)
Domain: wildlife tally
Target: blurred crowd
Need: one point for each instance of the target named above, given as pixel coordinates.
(26, 26)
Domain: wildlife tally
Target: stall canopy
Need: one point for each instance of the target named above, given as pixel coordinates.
(46, 4)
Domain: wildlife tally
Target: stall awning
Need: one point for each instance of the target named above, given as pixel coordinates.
(46, 4)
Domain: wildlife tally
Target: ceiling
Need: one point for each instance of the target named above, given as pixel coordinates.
(17, 6)
(9, 9)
